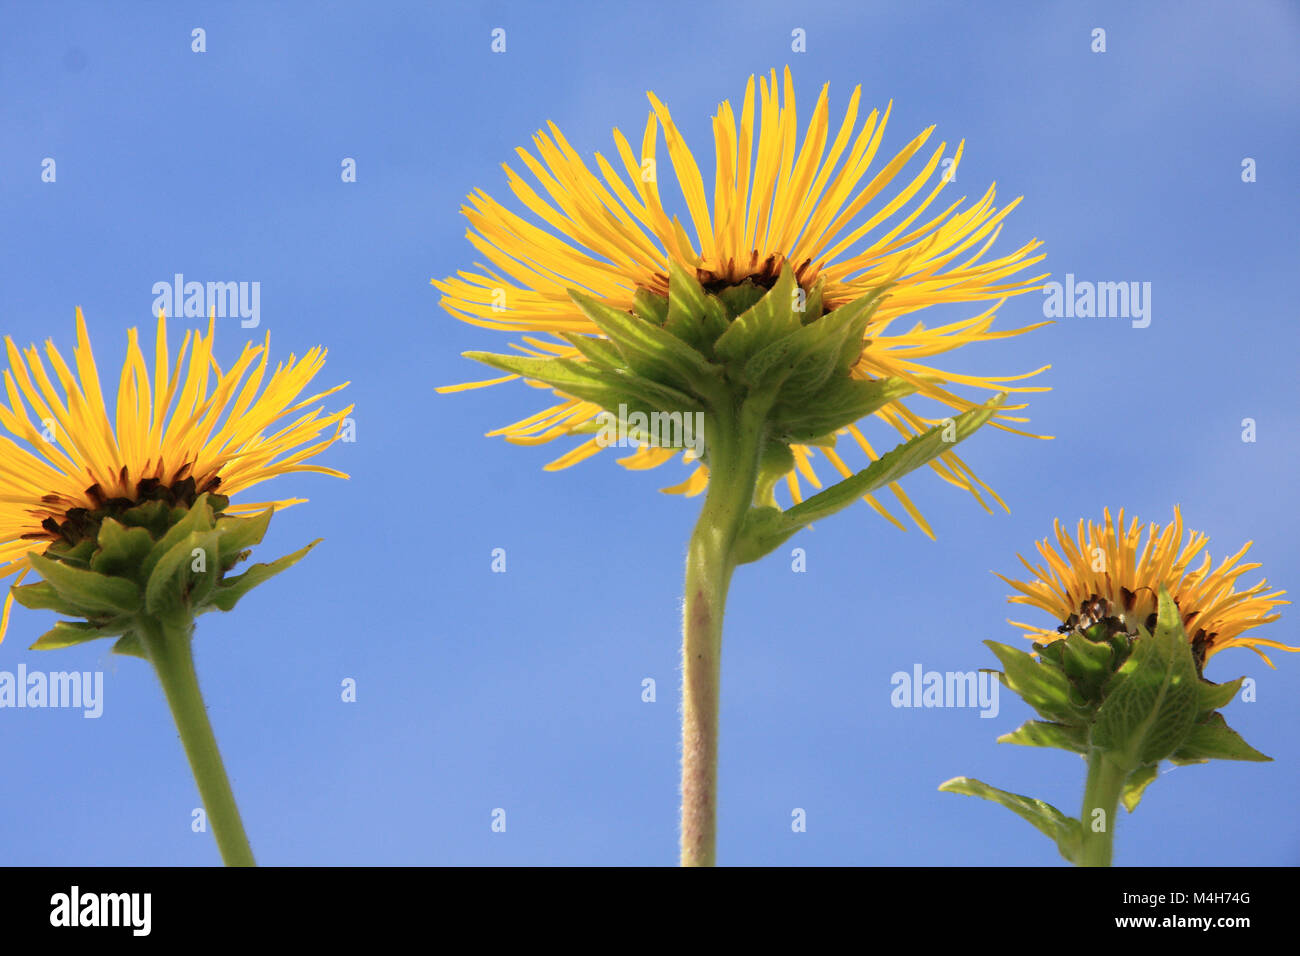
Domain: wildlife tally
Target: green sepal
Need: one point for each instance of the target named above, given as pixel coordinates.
(1062, 830)
(175, 585)
(1039, 733)
(769, 319)
(85, 593)
(1089, 664)
(228, 593)
(1210, 696)
(1213, 739)
(650, 307)
(198, 518)
(1041, 686)
(806, 358)
(121, 550)
(71, 633)
(130, 645)
(842, 401)
(608, 389)
(647, 349)
(692, 315)
(237, 535)
(739, 299)
(1151, 701)
(1136, 785)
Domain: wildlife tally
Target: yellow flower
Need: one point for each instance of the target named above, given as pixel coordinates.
(776, 200)
(1102, 574)
(178, 431)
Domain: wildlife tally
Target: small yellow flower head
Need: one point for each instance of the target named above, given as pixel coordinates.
(819, 207)
(1100, 574)
(175, 434)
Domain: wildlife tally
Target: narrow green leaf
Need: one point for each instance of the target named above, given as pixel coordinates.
(688, 307)
(1062, 830)
(888, 468)
(651, 307)
(41, 596)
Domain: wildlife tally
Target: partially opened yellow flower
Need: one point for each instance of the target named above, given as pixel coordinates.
(1101, 573)
(823, 206)
(123, 510)
(188, 429)
(766, 330)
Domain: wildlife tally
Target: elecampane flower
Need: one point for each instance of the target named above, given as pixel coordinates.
(822, 204)
(1101, 573)
(179, 431)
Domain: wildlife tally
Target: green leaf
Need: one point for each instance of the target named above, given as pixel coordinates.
(1086, 662)
(1136, 785)
(228, 593)
(649, 350)
(89, 593)
(1064, 831)
(601, 353)
(1213, 739)
(122, 550)
(770, 318)
(738, 299)
(768, 531)
(1038, 733)
(1039, 684)
(1150, 703)
(70, 633)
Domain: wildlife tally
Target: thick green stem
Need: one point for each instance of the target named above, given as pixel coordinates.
(1101, 793)
(169, 650)
(735, 441)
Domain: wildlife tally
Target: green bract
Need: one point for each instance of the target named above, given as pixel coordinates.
(156, 563)
(1123, 700)
(766, 368)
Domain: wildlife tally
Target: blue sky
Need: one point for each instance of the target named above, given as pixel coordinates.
(522, 690)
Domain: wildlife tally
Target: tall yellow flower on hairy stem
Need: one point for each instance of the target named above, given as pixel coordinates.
(125, 515)
(776, 328)
(1119, 681)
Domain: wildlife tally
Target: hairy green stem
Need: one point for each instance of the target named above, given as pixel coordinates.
(1100, 793)
(168, 645)
(735, 441)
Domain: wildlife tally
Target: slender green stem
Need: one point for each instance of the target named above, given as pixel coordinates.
(735, 440)
(1102, 792)
(169, 650)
